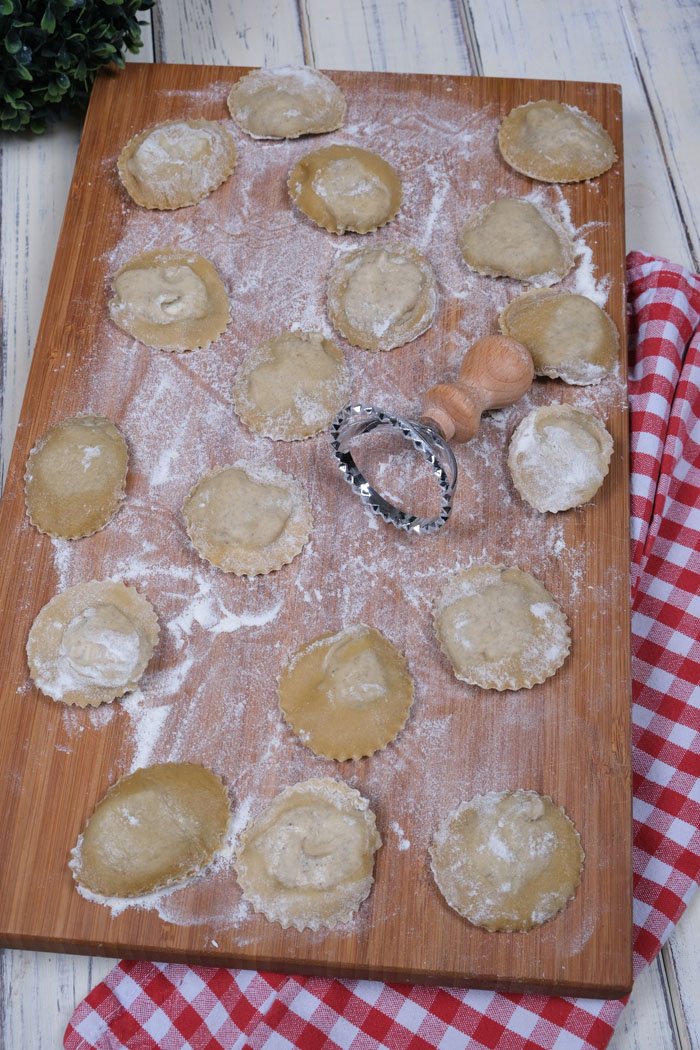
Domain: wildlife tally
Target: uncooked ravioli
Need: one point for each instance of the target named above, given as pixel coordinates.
(170, 299)
(382, 297)
(176, 163)
(507, 860)
(346, 695)
(76, 476)
(292, 386)
(558, 457)
(308, 860)
(343, 188)
(91, 643)
(248, 518)
(569, 337)
(500, 628)
(553, 142)
(511, 237)
(154, 829)
(286, 102)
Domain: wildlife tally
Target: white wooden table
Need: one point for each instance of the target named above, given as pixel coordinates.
(650, 47)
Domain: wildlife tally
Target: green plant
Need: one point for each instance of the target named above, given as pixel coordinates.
(51, 50)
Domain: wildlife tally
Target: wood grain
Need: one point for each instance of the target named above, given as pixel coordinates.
(589, 950)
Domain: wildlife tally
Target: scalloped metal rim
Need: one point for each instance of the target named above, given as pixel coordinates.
(355, 420)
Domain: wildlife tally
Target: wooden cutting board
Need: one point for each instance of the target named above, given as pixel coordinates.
(210, 694)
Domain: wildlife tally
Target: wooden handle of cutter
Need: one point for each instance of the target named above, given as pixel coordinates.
(495, 372)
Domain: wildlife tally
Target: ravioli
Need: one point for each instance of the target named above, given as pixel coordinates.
(286, 102)
(176, 163)
(170, 300)
(511, 237)
(75, 478)
(156, 828)
(553, 142)
(307, 861)
(345, 188)
(507, 860)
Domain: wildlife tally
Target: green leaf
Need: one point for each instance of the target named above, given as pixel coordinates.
(48, 22)
(13, 42)
(6, 7)
(24, 73)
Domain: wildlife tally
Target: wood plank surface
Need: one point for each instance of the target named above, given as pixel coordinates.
(568, 737)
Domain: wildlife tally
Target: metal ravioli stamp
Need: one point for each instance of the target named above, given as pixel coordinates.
(495, 372)
(354, 421)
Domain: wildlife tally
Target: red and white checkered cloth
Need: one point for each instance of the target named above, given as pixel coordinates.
(140, 1005)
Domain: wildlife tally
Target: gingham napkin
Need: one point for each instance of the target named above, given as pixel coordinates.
(174, 1007)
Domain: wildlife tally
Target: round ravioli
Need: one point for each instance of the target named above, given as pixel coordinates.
(343, 188)
(346, 695)
(308, 860)
(176, 163)
(569, 337)
(75, 478)
(286, 102)
(292, 386)
(511, 237)
(170, 300)
(507, 860)
(156, 828)
(382, 297)
(559, 457)
(92, 643)
(248, 519)
(500, 628)
(553, 142)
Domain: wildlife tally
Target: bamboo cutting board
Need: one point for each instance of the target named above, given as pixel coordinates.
(210, 694)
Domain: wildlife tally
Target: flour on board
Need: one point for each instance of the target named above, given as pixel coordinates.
(210, 696)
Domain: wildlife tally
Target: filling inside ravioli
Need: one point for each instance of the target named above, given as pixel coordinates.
(177, 143)
(351, 192)
(102, 644)
(314, 847)
(353, 677)
(295, 366)
(382, 292)
(240, 510)
(160, 295)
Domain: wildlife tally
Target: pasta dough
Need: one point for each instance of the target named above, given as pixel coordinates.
(307, 861)
(382, 297)
(153, 829)
(170, 300)
(286, 102)
(346, 695)
(91, 643)
(176, 163)
(500, 628)
(515, 238)
(553, 142)
(75, 479)
(507, 860)
(248, 519)
(569, 337)
(343, 188)
(559, 457)
(292, 386)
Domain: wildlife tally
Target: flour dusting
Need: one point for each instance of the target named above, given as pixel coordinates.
(210, 694)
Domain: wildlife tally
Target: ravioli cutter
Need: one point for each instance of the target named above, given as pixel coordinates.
(496, 371)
